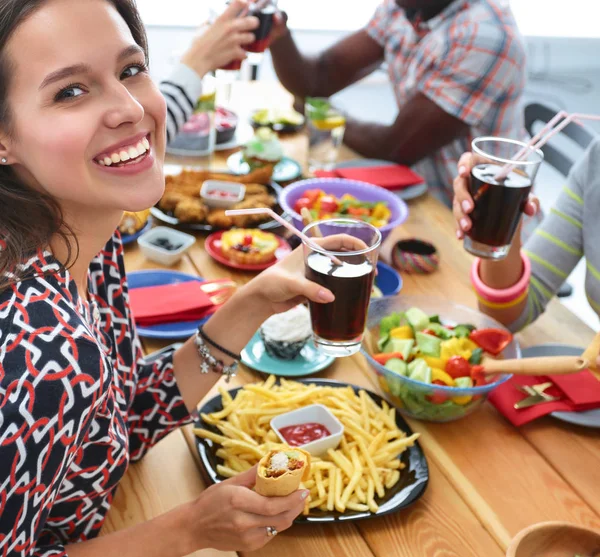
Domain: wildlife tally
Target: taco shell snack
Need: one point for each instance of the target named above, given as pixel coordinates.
(280, 472)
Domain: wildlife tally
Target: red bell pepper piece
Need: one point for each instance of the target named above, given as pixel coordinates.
(492, 341)
(312, 195)
(301, 203)
(437, 398)
(384, 357)
(478, 376)
(329, 204)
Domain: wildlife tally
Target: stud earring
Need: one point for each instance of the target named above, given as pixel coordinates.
(4, 160)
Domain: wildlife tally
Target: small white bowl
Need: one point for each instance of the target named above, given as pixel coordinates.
(160, 254)
(315, 413)
(239, 190)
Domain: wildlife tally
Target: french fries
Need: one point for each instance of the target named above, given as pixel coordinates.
(352, 477)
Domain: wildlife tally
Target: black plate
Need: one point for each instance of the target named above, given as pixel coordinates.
(412, 484)
(277, 127)
(274, 188)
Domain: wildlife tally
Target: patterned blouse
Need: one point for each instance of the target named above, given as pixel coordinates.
(77, 402)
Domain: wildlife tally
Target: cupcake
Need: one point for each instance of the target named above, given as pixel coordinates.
(285, 334)
(263, 149)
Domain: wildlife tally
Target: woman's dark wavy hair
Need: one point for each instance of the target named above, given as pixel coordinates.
(29, 218)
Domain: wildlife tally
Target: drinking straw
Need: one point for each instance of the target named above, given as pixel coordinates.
(264, 211)
(538, 141)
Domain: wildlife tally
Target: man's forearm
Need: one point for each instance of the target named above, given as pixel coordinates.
(296, 72)
(375, 141)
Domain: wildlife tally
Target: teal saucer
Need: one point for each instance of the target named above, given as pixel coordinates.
(285, 170)
(309, 361)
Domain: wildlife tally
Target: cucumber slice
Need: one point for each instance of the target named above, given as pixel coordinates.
(397, 366)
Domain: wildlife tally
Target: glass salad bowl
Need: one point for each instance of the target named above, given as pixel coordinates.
(417, 396)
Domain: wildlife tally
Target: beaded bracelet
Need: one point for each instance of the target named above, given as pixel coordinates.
(210, 341)
(210, 362)
(501, 296)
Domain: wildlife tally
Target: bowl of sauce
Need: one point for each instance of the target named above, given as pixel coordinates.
(313, 428)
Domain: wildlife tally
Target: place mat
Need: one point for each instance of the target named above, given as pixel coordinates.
(580, 391)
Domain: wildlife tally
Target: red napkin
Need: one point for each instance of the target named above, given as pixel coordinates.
(580, 391)
(326, 174)
(183, 301)
(391, 177)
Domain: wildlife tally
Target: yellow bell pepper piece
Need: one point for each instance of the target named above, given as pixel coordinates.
(440, 375)
(434, 362)
(462, 400)
(457, 347)
(404, 332)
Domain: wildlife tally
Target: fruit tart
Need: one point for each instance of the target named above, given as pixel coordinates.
(249, 246)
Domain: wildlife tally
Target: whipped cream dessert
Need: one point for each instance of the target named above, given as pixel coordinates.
(290, 326)
(264, 146)
(285, 334)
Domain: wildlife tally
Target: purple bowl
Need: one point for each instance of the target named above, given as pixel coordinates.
(338, 187)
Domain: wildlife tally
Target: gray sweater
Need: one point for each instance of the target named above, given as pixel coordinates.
(569, 232)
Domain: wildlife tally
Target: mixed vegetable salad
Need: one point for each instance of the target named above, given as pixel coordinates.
(414, 345)
(324, 206)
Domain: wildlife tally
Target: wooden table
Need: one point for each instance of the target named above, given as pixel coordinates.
(488, 479)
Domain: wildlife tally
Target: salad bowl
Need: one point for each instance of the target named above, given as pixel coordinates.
(432, 374)
(337, 188)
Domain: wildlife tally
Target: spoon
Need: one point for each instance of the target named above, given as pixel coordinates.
(592, 352)
(549, 365)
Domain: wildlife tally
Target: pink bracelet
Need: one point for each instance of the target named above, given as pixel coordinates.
(497, 295)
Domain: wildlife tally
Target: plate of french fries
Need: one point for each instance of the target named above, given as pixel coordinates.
(378, 468)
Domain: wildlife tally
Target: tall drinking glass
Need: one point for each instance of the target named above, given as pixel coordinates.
(499, 203)
(326, 127)
(338, 327)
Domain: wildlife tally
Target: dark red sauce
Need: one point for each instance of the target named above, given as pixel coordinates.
(301, 434)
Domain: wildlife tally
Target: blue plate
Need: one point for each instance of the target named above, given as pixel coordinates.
(308, 362)
(285, 170)
(587, 418)
(388, 280)
(183, 329)
(128, 238)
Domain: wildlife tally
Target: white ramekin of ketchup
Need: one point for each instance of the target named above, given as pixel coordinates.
(313, 428)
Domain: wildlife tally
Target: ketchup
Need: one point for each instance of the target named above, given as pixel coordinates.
(301, 434)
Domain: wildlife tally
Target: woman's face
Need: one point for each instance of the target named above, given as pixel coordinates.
(88, 124)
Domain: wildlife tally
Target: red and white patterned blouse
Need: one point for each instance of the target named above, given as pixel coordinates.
(77, 402)
(469, 60)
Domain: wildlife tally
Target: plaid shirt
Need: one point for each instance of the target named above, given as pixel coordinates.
(469, 60)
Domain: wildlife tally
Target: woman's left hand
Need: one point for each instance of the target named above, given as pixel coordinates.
(283, 286)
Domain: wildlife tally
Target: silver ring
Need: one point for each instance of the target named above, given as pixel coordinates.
(271, 532)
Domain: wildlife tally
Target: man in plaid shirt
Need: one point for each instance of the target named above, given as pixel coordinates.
(457, 68)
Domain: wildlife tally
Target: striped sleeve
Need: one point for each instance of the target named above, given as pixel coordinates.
(556, 246)
(181, 91)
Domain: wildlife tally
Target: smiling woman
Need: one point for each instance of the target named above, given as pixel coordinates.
(82, 138)
(63, 113)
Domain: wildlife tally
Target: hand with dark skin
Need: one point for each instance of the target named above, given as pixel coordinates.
(421, 126)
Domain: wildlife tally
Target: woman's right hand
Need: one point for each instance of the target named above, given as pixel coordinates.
(229, 516)
(222, 42)
(462, 205)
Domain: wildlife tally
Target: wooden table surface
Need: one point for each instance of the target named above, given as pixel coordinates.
(488, 480)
